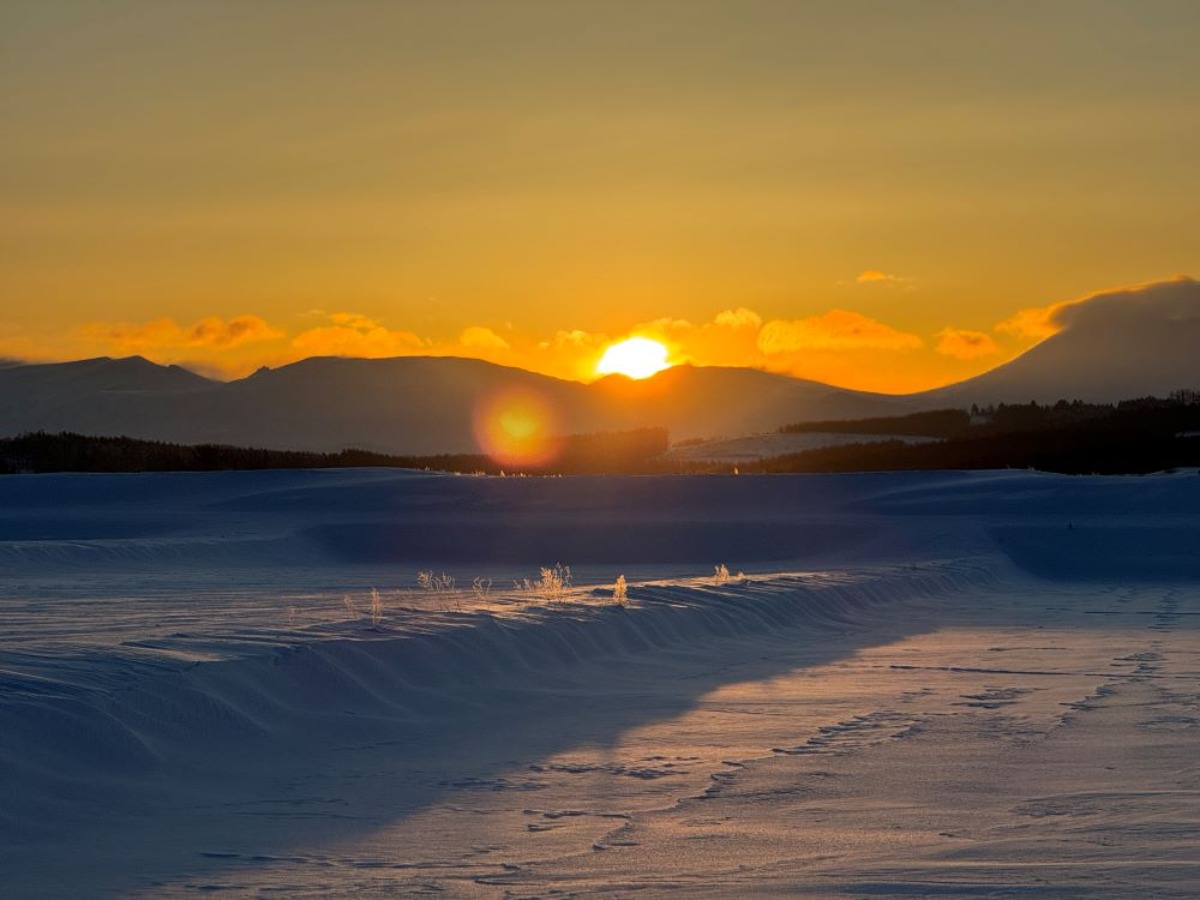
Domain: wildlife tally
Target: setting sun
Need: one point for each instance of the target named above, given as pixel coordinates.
(635, 357)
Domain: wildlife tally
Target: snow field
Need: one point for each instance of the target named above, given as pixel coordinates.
(954, 703)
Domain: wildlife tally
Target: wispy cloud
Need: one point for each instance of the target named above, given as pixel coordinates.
(965, 344)
(211, 332)
(738, 318)
(837, 329)
(666, 325)
(353, 334)
(477, 337)
(575, 339)
(1035, 323)
(214, 332)
(884, 279)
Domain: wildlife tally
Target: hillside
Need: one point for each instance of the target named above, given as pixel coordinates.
(1132, 343)
(408, 405)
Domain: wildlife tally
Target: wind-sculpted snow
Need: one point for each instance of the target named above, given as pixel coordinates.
(86, 728)
(196, 694)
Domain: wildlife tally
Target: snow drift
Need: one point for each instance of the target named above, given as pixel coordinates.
(178, 657)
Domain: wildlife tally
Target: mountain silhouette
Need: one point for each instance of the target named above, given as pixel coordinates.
(416, 405)
(1113, 346)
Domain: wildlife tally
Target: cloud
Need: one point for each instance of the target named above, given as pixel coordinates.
(352, 320)
(1035, 323)
(965, 344)
(738, 318)
(664, 326)
(575, 339)
(211, 332)
(477, 337)
(874, 276)
(837, 329)
(1176, 299)
(353, 334)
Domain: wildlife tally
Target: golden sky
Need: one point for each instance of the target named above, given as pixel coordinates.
(866, 193)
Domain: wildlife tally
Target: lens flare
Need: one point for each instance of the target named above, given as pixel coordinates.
(635, 357)
(517, 429)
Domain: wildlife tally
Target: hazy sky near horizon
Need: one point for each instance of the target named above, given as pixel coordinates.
(867, 193)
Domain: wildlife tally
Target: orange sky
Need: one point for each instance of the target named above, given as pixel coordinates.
(865, 193)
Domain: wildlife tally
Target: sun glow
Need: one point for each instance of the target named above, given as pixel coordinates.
(517, 428)
(635, 357)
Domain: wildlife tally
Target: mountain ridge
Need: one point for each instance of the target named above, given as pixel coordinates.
(1109, 347)
(1113, 346)
(406, 404)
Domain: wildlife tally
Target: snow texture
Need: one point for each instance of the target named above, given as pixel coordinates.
(910, 684)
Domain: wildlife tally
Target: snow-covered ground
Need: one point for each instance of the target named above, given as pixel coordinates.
(916, 684)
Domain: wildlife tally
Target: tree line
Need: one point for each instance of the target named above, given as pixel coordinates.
(1145, 434)
(43, 452)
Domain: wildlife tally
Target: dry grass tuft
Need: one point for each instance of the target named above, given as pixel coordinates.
(439, 584)
(621, 592)
(551, 586)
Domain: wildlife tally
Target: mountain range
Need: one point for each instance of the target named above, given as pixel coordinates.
(414, 404)
(1115, 346)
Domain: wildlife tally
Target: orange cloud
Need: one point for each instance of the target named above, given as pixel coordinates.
(965, 344)
(1035, 323)
(837, 329)
(353, 334)
(1174, 298)
(874, 276)
(477, 337)
(568, 354)
(159, 334)
(213, 332)
(574, 338)
(351, 320)
(738, 318)
(664, 326)
(728, 340)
